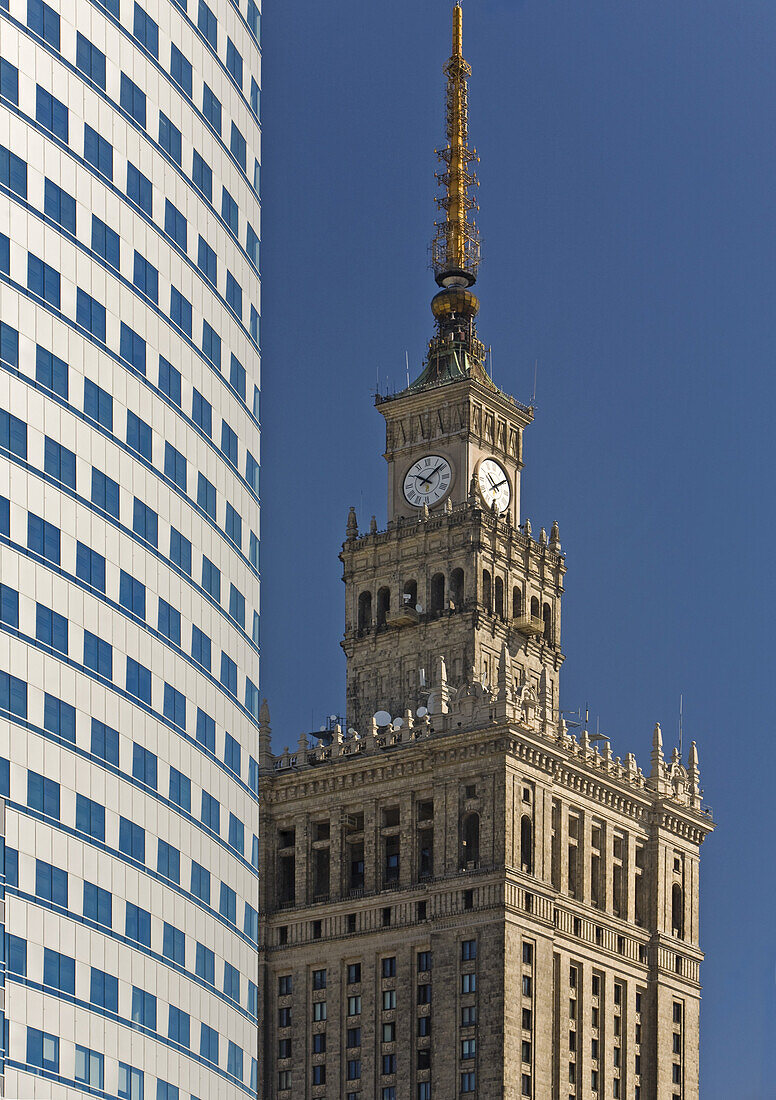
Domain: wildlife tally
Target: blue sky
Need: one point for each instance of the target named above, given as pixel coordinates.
(628, 195)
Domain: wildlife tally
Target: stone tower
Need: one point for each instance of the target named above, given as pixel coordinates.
(460, 896)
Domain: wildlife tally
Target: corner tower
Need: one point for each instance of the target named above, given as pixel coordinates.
(456, 571)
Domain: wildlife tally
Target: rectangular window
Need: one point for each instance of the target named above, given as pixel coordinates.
(139, 438)
(211, 108)
(59, 717)
(202, 413)
(170, 380)
(234, 1060)
(133, 348)
(205, 966)
(139, 189)
(139, 681)
(146, 31)
(229, 443)
(234, 63)
(208, 24)
(51, 372)
(254, 325)
(13, 172)
(208, 1044)
(98, 404)
(51, 114)
(175, 706)
(98, 655)
(105, 493)
(211, 812)
(179, 1026)
(200, 651)
(9, 81)
(105, 742)
(43, 280)
(132, 839)
(251, 923)
(170, 138)
(42, 1048)
(90, 315)
(254, 20)
(9, 344)
(51, 883)
(236, 831)
(206, 261)
(98, 152)
(180, 70)
(144, 766)
(132, 594)
(175, 467)
(59, 206)
(58, 971)
(228, 673)
(13, 434)
(51, 629)
(133, 100)
(145, 277)
(238, 146)
(105, 242)
(90, 817)
(200, 882)
(206, 727)
(229, 212)
(211, 577)
(468, 950)
(211, 343)
(237, 377)
(180, 789)
(131, 1082)
(9, 606)
(180, 311)
(138, 925)
(252, 246)
(169, 622)
(43, 538)
(104, 990)
(145, 523)
(252, 472)
(43, 21)
(233, 528)
(89, 1067)
(174, 944)
(227, 905)
(175, 225)
(143, 1008)
(201, 175)
(98, 904)
(90, 60)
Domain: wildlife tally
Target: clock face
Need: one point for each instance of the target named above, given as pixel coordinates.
(494, 485)
(427, 480)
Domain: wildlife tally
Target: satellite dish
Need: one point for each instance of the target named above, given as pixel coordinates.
(333, 717)
(321, 729)
(419, 608)
(351, 731)
(383, 718)
(398, 723)
(422, 712)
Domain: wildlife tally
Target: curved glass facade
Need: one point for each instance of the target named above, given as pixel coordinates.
(129, 523)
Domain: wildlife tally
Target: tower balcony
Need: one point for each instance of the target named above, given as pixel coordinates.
(405, 616)
(529, 624)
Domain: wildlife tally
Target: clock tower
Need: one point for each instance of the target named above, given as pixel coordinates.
(456, 591)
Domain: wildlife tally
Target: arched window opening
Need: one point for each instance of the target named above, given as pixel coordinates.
(437, 593)
(534, 607)
(487, 591)
(499, 597)
(526, 844)
(409, 594)
(365, 611)
(547, 616)
(470, 841)
(383, 605)
(456, 588)
(677, 911)
(517, 603)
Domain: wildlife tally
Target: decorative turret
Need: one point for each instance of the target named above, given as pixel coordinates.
(694, 777)
(265, 738)
(351, 529)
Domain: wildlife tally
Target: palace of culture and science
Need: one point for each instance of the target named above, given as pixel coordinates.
(460, 897)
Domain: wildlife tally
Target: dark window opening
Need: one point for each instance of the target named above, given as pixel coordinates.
(437, 593)
(365, 611)
(383, 605)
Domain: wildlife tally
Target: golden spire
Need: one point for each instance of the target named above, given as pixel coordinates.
(456, 246)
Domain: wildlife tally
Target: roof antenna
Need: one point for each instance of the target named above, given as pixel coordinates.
(681, 708)
(536, 371)
(407, 361)
(490, 352)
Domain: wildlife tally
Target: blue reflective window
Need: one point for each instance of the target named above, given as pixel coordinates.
(43, 538)
(208, 1044)
(207, 261)
(234, 295)
(59, 717)
(232, 755)
(211, 579)
(132, 100)
(255, 97)
(43, 280)
(51, 883)
(90, 817)
(180, 551)
(201, 176)
(232, 981)
(229, 443)
(236, 833)
(90, 314)
(230, 212)
(169, 621)
(206, 727)
(170, 380)
(140, 189)
(166, 1091)
(206, 964)
(133, 348)
(98, 404)
(89, 1067)
(90, 566)
(144, 766)
(251, 923)
(180, 311)
(200, 882)
(51, 114)
(202, 412)
(206, 496)
(252, 472)
(211, 343)
(51, 371)
(5, 250)
(211, 108)
(132, 841)
(238, 146)
(233, 528)
(234, 1060)
(51, 628)
(105, 493)
(9, 344)
(234, 63)
(175, 706)
(175, 466)
(170, 138)
(11, 866)
(254, 20)
(208, 24)
(13, 172)
(105, 742)
(44, 21)
(175, 225)
(180, 70)
(98, 904)
(9, 606)
(252, 697)
(179, 1028)
(145, 523)
(110, 5)
(228, 673)
(98, 655)
(180, 789)
(90, 60)
(9, 81)
(201, 652)
(59, 462)
(254, 325)
(252, 246)
(174, 944)
(146, 31)
(16, 955)
(211, 812)
(132, 594)
(59, 206)
(13, 434)
(104, 990)
(139, 438)
(42, 1048)
(146, 278)
(143, 1008)
(139, 681)
(168, 861)
(98, 151)
(105, 242)
(253, 775)
(131, 1082)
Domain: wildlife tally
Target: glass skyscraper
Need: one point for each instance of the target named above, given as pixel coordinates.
(129, 524)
